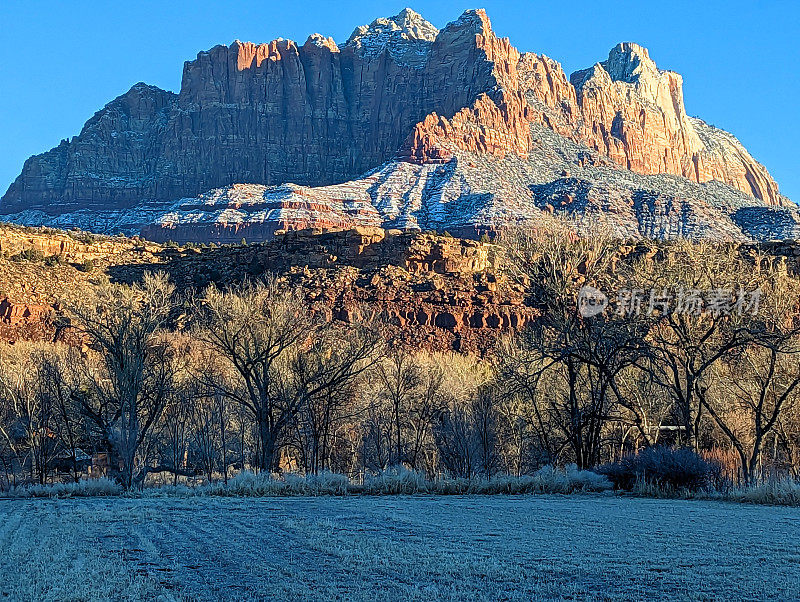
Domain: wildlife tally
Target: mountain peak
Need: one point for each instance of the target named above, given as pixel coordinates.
(465, 133)
(405, 25)
(321, 41)
(628, 62)
(476, 17)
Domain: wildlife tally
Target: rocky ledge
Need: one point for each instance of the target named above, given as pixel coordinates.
(432, 291)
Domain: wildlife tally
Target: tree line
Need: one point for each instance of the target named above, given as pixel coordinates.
(254, 377)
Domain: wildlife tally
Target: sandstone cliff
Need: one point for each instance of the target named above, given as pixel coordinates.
(403, 126)
(271, 113)
(435, 292)
(634, 113)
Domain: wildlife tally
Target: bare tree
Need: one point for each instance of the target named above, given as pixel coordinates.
(424, 407)
(208, 433)
(323, 379)
(400, 377)
(59, 380)
(585, 351)
(750, 389)
(643, 407)
(687, 343)
(131, 380)
(31, 410)
(175, 432)
(256, 328)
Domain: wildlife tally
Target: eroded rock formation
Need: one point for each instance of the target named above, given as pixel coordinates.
(401, 126)
(435, 292)
(631, 111)
(272, 113)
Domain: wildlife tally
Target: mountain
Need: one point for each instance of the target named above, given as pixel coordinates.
(402, 126)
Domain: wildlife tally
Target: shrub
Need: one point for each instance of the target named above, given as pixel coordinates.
(323, 483)
(52, 260)
(83, 488)
(86, 238)
(662, 467)
(28, 255)
(86, 266)
(249, 484)
(396, 480)
(549, 479)
(400, 480)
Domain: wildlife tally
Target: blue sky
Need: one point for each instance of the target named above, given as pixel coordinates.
(62, 61)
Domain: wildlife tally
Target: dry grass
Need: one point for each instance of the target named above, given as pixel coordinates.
(401, 481)
(395, 481)
(776, 492)
(423, 548)
(83, 488)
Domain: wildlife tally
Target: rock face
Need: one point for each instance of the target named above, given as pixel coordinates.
(18, 314)
(256, 212)
(436, 292)
(471, 191)
(634, 113)
(432, 291)
(403, 126)
(67, 247)
(272, 113)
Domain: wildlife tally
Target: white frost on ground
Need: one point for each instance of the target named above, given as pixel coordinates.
(397, 548)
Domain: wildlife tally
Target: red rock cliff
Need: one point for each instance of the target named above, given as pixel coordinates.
(320, 114)
(631, 111)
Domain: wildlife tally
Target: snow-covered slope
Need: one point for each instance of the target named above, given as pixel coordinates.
(470, 194)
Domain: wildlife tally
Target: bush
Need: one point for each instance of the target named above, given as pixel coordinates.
(53, 260)
(569, 480)
(86, 266)
(323, 483)
(28, 255)
(396, 480)
(86, 238)
(399, 480)
(673, 469)
(83, 488)
(248, 484)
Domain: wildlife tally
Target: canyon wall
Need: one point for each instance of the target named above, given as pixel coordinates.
(280, 112)
(397, 91)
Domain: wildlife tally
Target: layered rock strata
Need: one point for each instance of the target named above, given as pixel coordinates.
(402, 126)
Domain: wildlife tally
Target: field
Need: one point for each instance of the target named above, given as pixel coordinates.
(397, 548)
